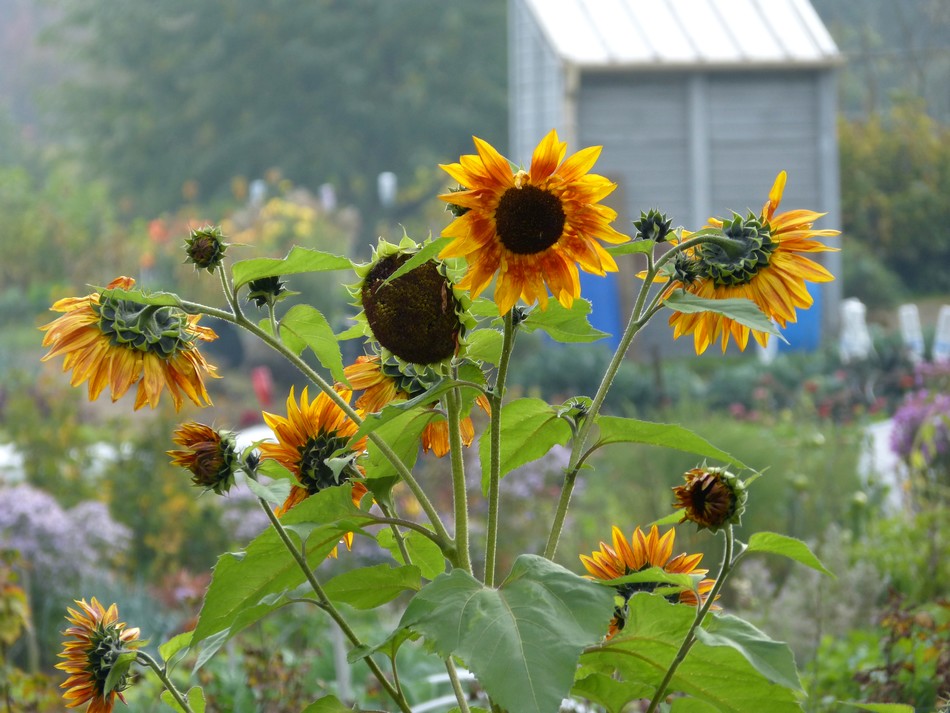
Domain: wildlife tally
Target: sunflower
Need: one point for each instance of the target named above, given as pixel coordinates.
(210, 456)
(310, 436)
(770, 269)
(419, 318)
(640, 553)
(712, 498)
(120, 343)
(99, 640)
(533, 228)
(390, 382)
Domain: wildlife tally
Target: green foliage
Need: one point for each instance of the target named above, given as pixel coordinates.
(736, 668)
(523, 639)
(896, 177)
(198, 92)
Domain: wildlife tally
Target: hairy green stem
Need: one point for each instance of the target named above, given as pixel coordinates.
(404, 473)
(453, 401)
(145, 659)
(494, 435)
(634, 325)
(328, 607)
(690, 638)
(456, 686)
(394, 523)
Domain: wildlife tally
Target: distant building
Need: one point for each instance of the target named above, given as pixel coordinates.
(698, 105)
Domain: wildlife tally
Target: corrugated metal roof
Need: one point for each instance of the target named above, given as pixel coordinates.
(678, 33)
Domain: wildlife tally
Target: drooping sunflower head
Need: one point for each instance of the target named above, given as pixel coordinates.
(532, 228)
(313, 444)
(711, 497)
(763, 259)
(110, 339)
(417, 317)
(100, 646)
(624, 557)
(210, 455)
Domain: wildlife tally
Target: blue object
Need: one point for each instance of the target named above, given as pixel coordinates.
(603, 293)
(805, 334)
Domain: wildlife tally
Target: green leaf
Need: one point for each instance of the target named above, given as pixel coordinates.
(120, 668)
(880, 707)
(739, 309)
(274, 492)
(719, 676)
(608, 692)
(634, 246)
(369, 587)
(776, 544)
(174, 645)
(425, 554)
(529, 429)
(773, 659)
(484, 345)
(298, 260)
(402, 434)
(242, 581)
(562, 324)
(614, 429)
(656, 574)
(195, 698)
(692, 705)
(523, 640)
(327, 704)
(426, 253)
(310, 326)
(373, 421)
(162, 299)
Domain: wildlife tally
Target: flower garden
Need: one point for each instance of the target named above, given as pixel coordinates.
(465, 498)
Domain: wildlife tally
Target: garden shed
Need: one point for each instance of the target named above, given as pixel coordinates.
(698, 105)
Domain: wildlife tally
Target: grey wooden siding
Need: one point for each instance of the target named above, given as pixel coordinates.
(535, 85)
(758, 125)
(642, 124)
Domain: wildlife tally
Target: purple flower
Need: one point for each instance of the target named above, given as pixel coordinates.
(921, 426)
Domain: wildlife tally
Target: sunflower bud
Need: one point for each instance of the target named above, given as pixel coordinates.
(712, 498)
(205, 248)
(265, 291)
(415, 315)
(653, 226)
(210, 456)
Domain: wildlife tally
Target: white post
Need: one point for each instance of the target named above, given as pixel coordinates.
(911, 334)
(941, 350)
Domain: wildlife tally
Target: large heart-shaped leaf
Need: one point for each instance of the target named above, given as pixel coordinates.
(719, 676)
(563, 324)
(522, 640)
(309, 326)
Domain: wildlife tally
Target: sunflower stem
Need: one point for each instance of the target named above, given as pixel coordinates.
(453, 401)
(494, 431)
(634, 325)
(146, 660)
(456, 686)
(328, 607)
(394, 523)
(403, 471)
(229, 294)
(727, 564)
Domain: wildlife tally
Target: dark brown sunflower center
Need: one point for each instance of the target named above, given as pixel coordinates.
(319, 468)
(413, 316)
(529, 220)
(160, 329)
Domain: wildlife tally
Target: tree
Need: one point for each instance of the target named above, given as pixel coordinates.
(325, 91)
